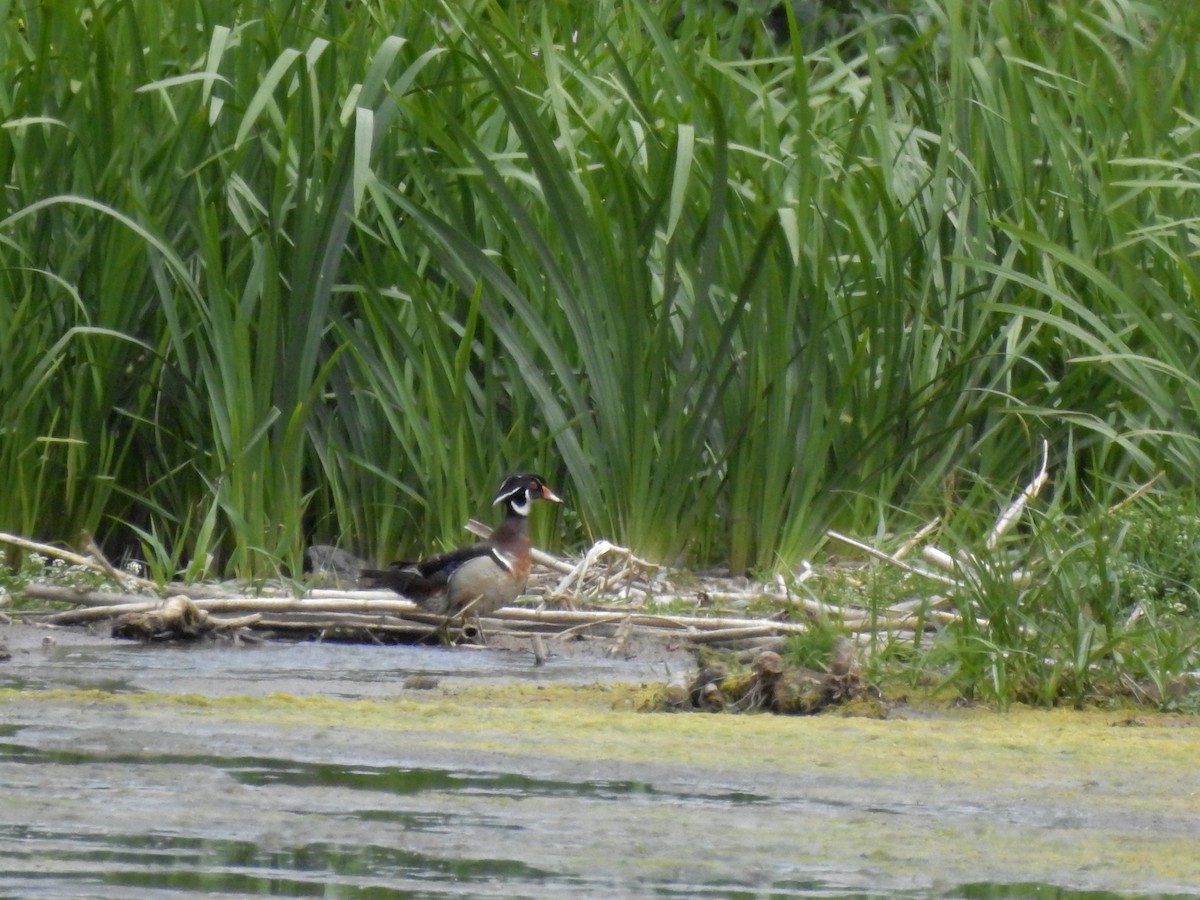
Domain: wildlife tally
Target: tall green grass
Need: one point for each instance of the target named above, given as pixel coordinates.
(327, 271)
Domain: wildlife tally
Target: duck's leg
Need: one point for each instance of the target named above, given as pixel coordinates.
(442, 633)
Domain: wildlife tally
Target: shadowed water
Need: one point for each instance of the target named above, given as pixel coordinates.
(381, 828)
(382, 832)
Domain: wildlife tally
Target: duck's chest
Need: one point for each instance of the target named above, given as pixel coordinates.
(488, 584)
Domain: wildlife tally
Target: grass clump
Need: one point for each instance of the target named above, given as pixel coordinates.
(813, 648)
(1158, 555)
(1065, 612)
(35, 569)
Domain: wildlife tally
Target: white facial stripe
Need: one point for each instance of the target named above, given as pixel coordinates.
(521, 507)
(501, 560)
(506, 497)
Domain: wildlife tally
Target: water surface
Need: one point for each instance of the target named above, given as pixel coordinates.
(311, 770)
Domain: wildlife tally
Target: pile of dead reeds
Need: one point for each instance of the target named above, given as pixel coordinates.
(608, 593)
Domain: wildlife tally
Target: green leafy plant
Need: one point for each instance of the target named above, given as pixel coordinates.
(326, 272)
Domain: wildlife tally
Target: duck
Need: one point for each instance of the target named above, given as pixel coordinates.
(479, 578)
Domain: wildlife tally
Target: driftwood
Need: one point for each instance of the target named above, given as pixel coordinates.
(609, 593)
(175, 619)
(366, 611)
(380, 615)
(342, 613)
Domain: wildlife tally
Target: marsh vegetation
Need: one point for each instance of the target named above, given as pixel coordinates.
(325, 272)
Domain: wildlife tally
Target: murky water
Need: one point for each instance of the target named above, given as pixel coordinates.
(326, 829)
(308, 770)
(351, 671)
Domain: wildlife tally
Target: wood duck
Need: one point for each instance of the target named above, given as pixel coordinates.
(482, 577)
